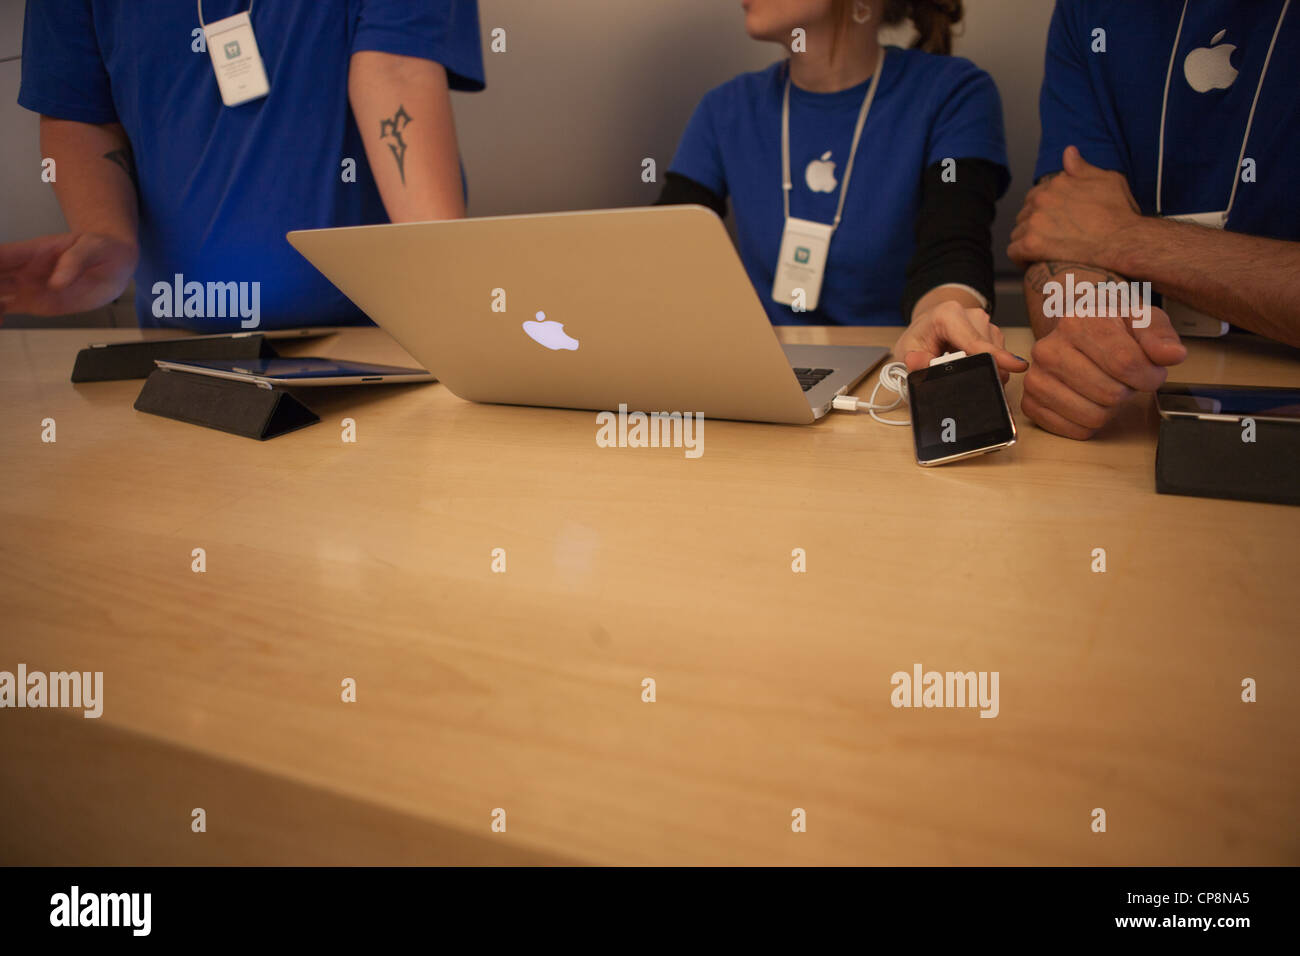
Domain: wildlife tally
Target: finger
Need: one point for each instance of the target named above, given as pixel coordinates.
(999, 340)
(1159, 341)
(1018, 253)
(957, 330)
(15, 256)
(1116, 352)
(1030, 204)
(1007, 362)
(925, 335)
(72, 264)
(1051, 393)
(1059, 357)
(915, 360)
(1047, 419)
(1074, 162)
(1026, 245)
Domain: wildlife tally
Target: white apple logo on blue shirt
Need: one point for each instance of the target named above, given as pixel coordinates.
(1210, 67)
(550, 334)
(820, 174)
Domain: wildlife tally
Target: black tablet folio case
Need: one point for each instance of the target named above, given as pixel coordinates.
(1209, 460)
(103, 363)
(241, 408)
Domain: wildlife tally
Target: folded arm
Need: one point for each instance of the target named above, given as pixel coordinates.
(1088, 215)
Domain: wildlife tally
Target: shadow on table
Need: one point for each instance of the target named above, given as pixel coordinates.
(79, 792)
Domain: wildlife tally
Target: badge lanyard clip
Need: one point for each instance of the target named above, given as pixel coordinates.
(236, 61)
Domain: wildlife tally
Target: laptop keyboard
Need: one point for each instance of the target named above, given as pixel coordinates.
(811, 377)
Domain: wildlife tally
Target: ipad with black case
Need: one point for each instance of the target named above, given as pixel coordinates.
(291, 373)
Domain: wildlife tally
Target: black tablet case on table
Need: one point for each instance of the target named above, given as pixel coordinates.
(104, 363)
(240, 408)
(1208, 459)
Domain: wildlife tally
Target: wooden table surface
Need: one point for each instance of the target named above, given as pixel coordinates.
(523, 690)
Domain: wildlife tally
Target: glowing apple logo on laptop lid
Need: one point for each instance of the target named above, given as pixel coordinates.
(550, 334)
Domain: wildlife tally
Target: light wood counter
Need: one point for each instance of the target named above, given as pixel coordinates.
(478, 690)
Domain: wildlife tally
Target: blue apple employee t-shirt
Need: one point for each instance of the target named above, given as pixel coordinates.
(928, 108)
(219, 186)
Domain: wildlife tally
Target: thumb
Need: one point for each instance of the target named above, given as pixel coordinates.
(1074, 162)
(1159, 340)
(915, 360)
(74, 261)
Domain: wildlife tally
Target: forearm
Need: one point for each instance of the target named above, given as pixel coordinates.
(1246, 280)
(94, 177)
(1040, 274)
(953, 239)
(403, 108)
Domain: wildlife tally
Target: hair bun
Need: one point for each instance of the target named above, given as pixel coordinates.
(934, 20)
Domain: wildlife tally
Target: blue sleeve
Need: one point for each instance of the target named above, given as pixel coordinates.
(63, 72)
(1070, 112)
(969, 122)
(698, 157)
(445, 31)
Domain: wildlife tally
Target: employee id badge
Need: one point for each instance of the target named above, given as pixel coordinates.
(1185, 319)
(236, 60)
(801, 264)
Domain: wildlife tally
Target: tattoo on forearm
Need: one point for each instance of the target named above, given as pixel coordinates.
(124, 158)
(1041, 273)
(390, 132)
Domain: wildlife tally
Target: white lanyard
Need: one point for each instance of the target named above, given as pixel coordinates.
(853, 151)
(1164, 110)
(200, 5)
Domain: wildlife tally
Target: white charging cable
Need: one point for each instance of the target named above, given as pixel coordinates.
(893, 377)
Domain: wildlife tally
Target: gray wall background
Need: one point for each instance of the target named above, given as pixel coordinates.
(585, 91)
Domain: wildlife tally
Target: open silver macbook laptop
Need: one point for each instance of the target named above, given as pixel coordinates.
(648, 308)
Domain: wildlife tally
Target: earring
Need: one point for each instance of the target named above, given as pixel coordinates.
(861, 11)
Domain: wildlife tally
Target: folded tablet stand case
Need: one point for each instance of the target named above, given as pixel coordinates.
(1208, 459)
(241, 408)
(103, 363)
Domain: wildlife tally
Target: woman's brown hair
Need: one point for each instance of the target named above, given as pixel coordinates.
(933, 19)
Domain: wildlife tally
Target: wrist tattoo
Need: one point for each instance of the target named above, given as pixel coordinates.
(390, 132)
(123, 157)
